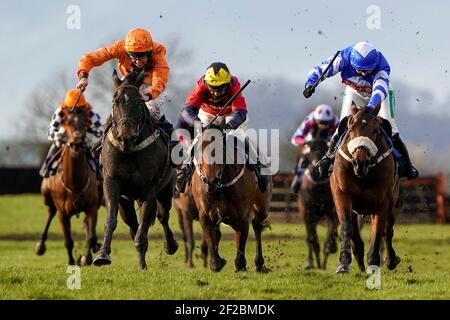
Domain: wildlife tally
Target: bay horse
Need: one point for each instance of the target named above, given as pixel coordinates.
(315, 203)
(228, 192)
(187, 213)
(135, 165)
(365, 181)
(73, 189)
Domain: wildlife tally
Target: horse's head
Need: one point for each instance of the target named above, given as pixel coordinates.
(212, 154)
(76, 130)
(313, 150)
(364, 134)
(129, 113)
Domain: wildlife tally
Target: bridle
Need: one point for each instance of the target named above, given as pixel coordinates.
(367, 145)
(217, 183)
(144, 118)
(140, 124)
(308, 174)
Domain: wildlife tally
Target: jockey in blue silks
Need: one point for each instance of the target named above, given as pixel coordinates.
(365, 71)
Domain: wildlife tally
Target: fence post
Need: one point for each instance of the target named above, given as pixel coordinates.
(440, 198)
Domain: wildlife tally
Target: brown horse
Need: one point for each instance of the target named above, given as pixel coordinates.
(73, 189)
(227, 192)
(187, 213)
(364, 181)
(315, 203)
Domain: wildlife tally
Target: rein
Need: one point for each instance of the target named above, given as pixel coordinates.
(373, 161)
(220, 177)
(88, 180)
(112, 134)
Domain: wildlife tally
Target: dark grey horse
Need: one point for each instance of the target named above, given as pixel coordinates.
(135, 164)
(316, 203)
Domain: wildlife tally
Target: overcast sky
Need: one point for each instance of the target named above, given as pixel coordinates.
(255, 38)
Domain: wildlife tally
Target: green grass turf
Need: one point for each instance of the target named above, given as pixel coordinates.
(424, 272)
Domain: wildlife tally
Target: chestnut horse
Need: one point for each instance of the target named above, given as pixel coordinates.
(315, 203)
(227, 192)
(136, 167)
(364, 181)
(73, 189)
(187, 213)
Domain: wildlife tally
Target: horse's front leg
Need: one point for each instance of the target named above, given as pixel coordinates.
(312, 240)
(343, 203)
(241, 239)
(112, 192)
(330, 245)
(164, 206)
(91, 237)
(148, 215)
(185, 222)
(376, 236)
(212, 237)
(392, 259)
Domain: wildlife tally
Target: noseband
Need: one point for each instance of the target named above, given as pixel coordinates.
(140, 125)
(366, 144)
(216, 183)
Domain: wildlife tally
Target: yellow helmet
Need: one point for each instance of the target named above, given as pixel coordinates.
(217, 74)
(138, 40)
(72, 96)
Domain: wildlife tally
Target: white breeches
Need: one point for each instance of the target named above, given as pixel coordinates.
(387, 110)
(155, 105)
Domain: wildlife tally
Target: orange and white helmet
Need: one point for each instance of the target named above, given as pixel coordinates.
(138, 40)
(71, 97)
(323, 113)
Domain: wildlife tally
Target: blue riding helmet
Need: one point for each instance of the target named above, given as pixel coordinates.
(364, 56)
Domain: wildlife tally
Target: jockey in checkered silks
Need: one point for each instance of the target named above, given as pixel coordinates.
(366, 73)
(56, 131)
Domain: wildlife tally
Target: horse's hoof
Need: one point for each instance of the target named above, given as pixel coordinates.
(393, 264)
(240, 269)
(96, 247)
(143, 266)
(102, 259)
(343, 269)
(216, 267)
(85, 260)
(171, 248)
(189, 265)
(309, 265)
(40, 248)
(262, 269)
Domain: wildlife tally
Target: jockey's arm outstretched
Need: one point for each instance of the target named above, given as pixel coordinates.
(366, 73)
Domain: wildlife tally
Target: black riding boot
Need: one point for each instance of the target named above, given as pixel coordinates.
(184, 175)
(298, 174)
(96, 148)
(168, 128)
(323, 165)
(46, 169)
(262, 179)
(410, 171)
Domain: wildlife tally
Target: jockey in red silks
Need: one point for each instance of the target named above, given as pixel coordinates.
(322, 118)
(208, 97)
